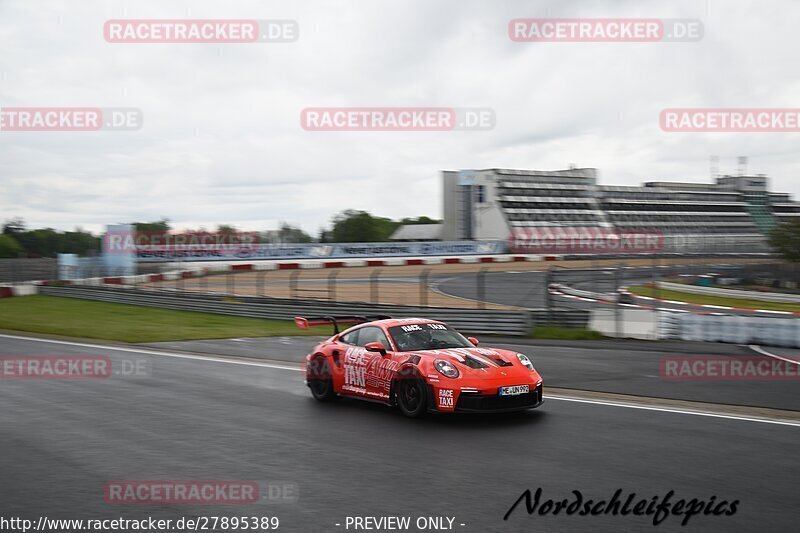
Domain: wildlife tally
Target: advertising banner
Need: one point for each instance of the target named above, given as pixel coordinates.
(256, 251)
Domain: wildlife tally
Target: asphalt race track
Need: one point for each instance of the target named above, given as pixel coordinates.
(190, 418)
(527, 289)
(610, 366)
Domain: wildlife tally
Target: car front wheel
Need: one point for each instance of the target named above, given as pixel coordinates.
(412, 397)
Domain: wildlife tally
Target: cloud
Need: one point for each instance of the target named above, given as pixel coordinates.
(222, 141)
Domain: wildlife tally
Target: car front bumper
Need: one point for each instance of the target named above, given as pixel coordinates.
(469, 402)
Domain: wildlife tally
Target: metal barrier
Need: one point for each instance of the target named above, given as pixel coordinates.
(731, 293)
(25, 269)
(566, 289)
(507, 322)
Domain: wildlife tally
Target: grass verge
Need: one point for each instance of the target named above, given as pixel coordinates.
(681, 296)
(559, 332)
(132, 323)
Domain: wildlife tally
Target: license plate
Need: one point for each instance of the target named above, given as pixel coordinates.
(514, 390)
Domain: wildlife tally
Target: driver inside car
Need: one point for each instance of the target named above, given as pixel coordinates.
(418, 340)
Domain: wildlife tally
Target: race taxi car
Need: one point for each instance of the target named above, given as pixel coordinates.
(418, 365)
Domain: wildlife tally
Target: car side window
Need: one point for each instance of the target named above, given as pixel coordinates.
(373, 334)
(350, 338)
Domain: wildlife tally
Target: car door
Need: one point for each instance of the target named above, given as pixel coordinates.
(354, 364)
(379, 368)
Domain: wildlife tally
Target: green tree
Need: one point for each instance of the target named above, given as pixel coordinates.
(78, 242)
(13, 226)
(42, 242)
(152, 232)
(160, 225)
(292, 234)
(9, 247)
(785, 239)
(360, 226)
(47, 242)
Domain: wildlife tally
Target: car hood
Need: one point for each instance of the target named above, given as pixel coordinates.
(484, 360)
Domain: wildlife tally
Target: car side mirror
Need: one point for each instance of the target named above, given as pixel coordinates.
(473, 340)
(376, 347)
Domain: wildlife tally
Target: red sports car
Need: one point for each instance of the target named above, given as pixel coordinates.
(419, 365)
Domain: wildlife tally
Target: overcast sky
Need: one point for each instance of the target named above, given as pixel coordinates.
(222, 140)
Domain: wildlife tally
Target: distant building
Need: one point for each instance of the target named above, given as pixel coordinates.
(418, 232)
(733, 214)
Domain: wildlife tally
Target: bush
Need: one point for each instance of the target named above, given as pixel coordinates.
(9, 247)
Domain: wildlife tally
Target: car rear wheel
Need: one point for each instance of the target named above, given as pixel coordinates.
(412, 397)
(320, 381)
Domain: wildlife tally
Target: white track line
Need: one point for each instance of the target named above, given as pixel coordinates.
(154, 352)
(676, 411)
(762, 351)
(296, 369)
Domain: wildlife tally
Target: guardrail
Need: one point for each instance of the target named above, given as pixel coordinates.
(566, 289)
(730, 293)
(507, 322)
(25, 269)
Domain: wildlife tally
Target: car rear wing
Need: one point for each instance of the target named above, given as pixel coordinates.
(305, 322)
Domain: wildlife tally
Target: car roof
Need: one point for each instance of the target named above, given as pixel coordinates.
(391, 322)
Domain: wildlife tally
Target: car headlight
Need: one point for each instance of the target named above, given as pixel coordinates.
(446, 368)
(526, 362)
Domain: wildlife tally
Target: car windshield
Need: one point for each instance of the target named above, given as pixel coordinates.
(411, 337)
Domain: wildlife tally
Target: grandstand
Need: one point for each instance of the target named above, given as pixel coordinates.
(731, 215)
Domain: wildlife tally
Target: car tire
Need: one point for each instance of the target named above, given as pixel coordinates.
(411, 395)
(318, 375)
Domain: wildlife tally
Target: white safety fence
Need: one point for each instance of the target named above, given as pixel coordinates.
(625, 323)
(734, 329)
(18, 289)
(657, 325)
